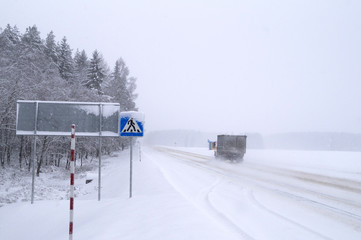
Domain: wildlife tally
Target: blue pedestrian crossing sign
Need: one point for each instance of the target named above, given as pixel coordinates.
(131, 124)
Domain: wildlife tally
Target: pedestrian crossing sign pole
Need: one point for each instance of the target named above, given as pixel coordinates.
(131, 125)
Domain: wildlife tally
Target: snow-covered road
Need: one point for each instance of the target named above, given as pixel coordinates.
(185, 193)
(263, 200)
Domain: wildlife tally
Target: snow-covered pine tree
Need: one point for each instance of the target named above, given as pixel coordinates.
(12, 34)
(51, 47)
(121, 87)
(96, 73)
(117, 87)
(65, 60)
(81, 67)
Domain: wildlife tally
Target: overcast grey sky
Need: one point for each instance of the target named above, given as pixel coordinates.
(233, 65)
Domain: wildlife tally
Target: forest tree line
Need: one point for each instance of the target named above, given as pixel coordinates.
(32, 68)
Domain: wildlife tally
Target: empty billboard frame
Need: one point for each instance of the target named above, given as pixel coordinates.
(54, 118)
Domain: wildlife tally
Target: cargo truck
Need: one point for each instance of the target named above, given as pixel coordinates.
(231, 147)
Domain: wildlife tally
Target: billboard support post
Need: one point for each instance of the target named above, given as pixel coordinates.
(34, 154)
(33, 171)
(100, 152)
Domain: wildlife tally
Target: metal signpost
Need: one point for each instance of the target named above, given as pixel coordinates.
(131, 125)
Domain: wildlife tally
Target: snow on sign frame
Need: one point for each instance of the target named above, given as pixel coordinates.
(131, 124)
(54, 118)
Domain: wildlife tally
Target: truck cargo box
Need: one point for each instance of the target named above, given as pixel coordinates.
(231, 147)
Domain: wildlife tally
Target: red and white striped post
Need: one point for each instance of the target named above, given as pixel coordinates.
(72, 170)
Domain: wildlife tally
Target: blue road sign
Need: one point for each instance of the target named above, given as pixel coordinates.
(131, 125)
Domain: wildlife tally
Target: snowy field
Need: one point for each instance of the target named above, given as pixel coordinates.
(184, 193)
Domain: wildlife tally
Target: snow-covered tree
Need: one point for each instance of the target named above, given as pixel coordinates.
(120, 87)
(12, 34)
(81, 66)
(65, 60)
(96, 73)
(32, 39)
(51, 47)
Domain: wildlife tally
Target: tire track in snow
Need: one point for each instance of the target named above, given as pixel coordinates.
(206, 206)
(258, 204)
(211, 209)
